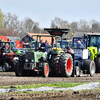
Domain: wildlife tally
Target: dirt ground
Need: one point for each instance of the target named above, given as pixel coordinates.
(9, 78)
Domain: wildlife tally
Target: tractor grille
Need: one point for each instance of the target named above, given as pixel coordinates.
(29, 55)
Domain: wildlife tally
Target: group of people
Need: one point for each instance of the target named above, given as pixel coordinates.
(44, 47)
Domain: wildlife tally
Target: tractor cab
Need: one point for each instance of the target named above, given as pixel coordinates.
(79, 45)
(94, 48)
(94, 42)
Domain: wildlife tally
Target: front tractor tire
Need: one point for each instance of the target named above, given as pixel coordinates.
(19, 69)
(66, 65)
(5, 67)
(89, 67)
(45, 70)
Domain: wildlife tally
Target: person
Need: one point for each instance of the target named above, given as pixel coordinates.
(5, 48)
(69, 50)
(80, 45)
(43, 46)
(46, 42)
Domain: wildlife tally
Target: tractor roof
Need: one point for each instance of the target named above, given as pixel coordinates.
(57, 31)
(93, 34)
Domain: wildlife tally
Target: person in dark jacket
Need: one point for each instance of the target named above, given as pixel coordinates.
(5, 48)
(43, 46)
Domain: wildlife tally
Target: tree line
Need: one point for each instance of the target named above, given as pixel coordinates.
(10, 25)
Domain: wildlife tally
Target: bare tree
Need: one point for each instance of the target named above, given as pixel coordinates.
(11, 23)
(59, 23)
(74, 27)
(95, 25)
(28, 26)
(83, 25)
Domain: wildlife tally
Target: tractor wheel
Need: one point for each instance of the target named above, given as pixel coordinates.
(55, 64)
(97, 63)
(66, 65)
(89, 67)
(45, 70)
(5, 67)
(77, 71)
(19, 69)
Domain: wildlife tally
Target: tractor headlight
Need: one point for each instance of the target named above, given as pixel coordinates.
(32, 60)
(26, 60)
(16, 58)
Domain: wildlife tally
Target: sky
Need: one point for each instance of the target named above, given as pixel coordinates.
(44, 11)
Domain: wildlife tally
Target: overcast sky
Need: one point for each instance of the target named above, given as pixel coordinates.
(43, 11)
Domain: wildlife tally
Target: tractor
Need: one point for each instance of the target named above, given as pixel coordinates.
(7, 57)
(83, 63)
(94, 48)
(61, 62)
(33, 59)
(55, 61)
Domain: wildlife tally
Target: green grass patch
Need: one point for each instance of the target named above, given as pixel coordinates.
(62, 85)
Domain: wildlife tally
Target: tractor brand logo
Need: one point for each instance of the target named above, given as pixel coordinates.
(39, 55)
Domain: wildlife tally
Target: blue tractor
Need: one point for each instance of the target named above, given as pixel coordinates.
(83, 63)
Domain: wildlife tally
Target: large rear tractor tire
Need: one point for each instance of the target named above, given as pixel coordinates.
(66, 65)
(97, 63)
(89, 67)
(19, 69)
(55, 64)
(5, 67)
(45, 70)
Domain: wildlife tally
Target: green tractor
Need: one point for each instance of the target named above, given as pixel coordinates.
(61, 62)
(94, 48)
(32, 60)
(55, 61)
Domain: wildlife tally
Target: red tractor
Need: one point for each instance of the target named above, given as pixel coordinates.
(7, 57)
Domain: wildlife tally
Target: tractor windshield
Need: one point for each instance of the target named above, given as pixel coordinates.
(79, 42)
(63, 43)
(95, 41)
(34, 43)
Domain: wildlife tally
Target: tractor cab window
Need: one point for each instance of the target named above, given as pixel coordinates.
(95, 41)
(34, 44)
(64, 44)
(79, 43)
(58, 45)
